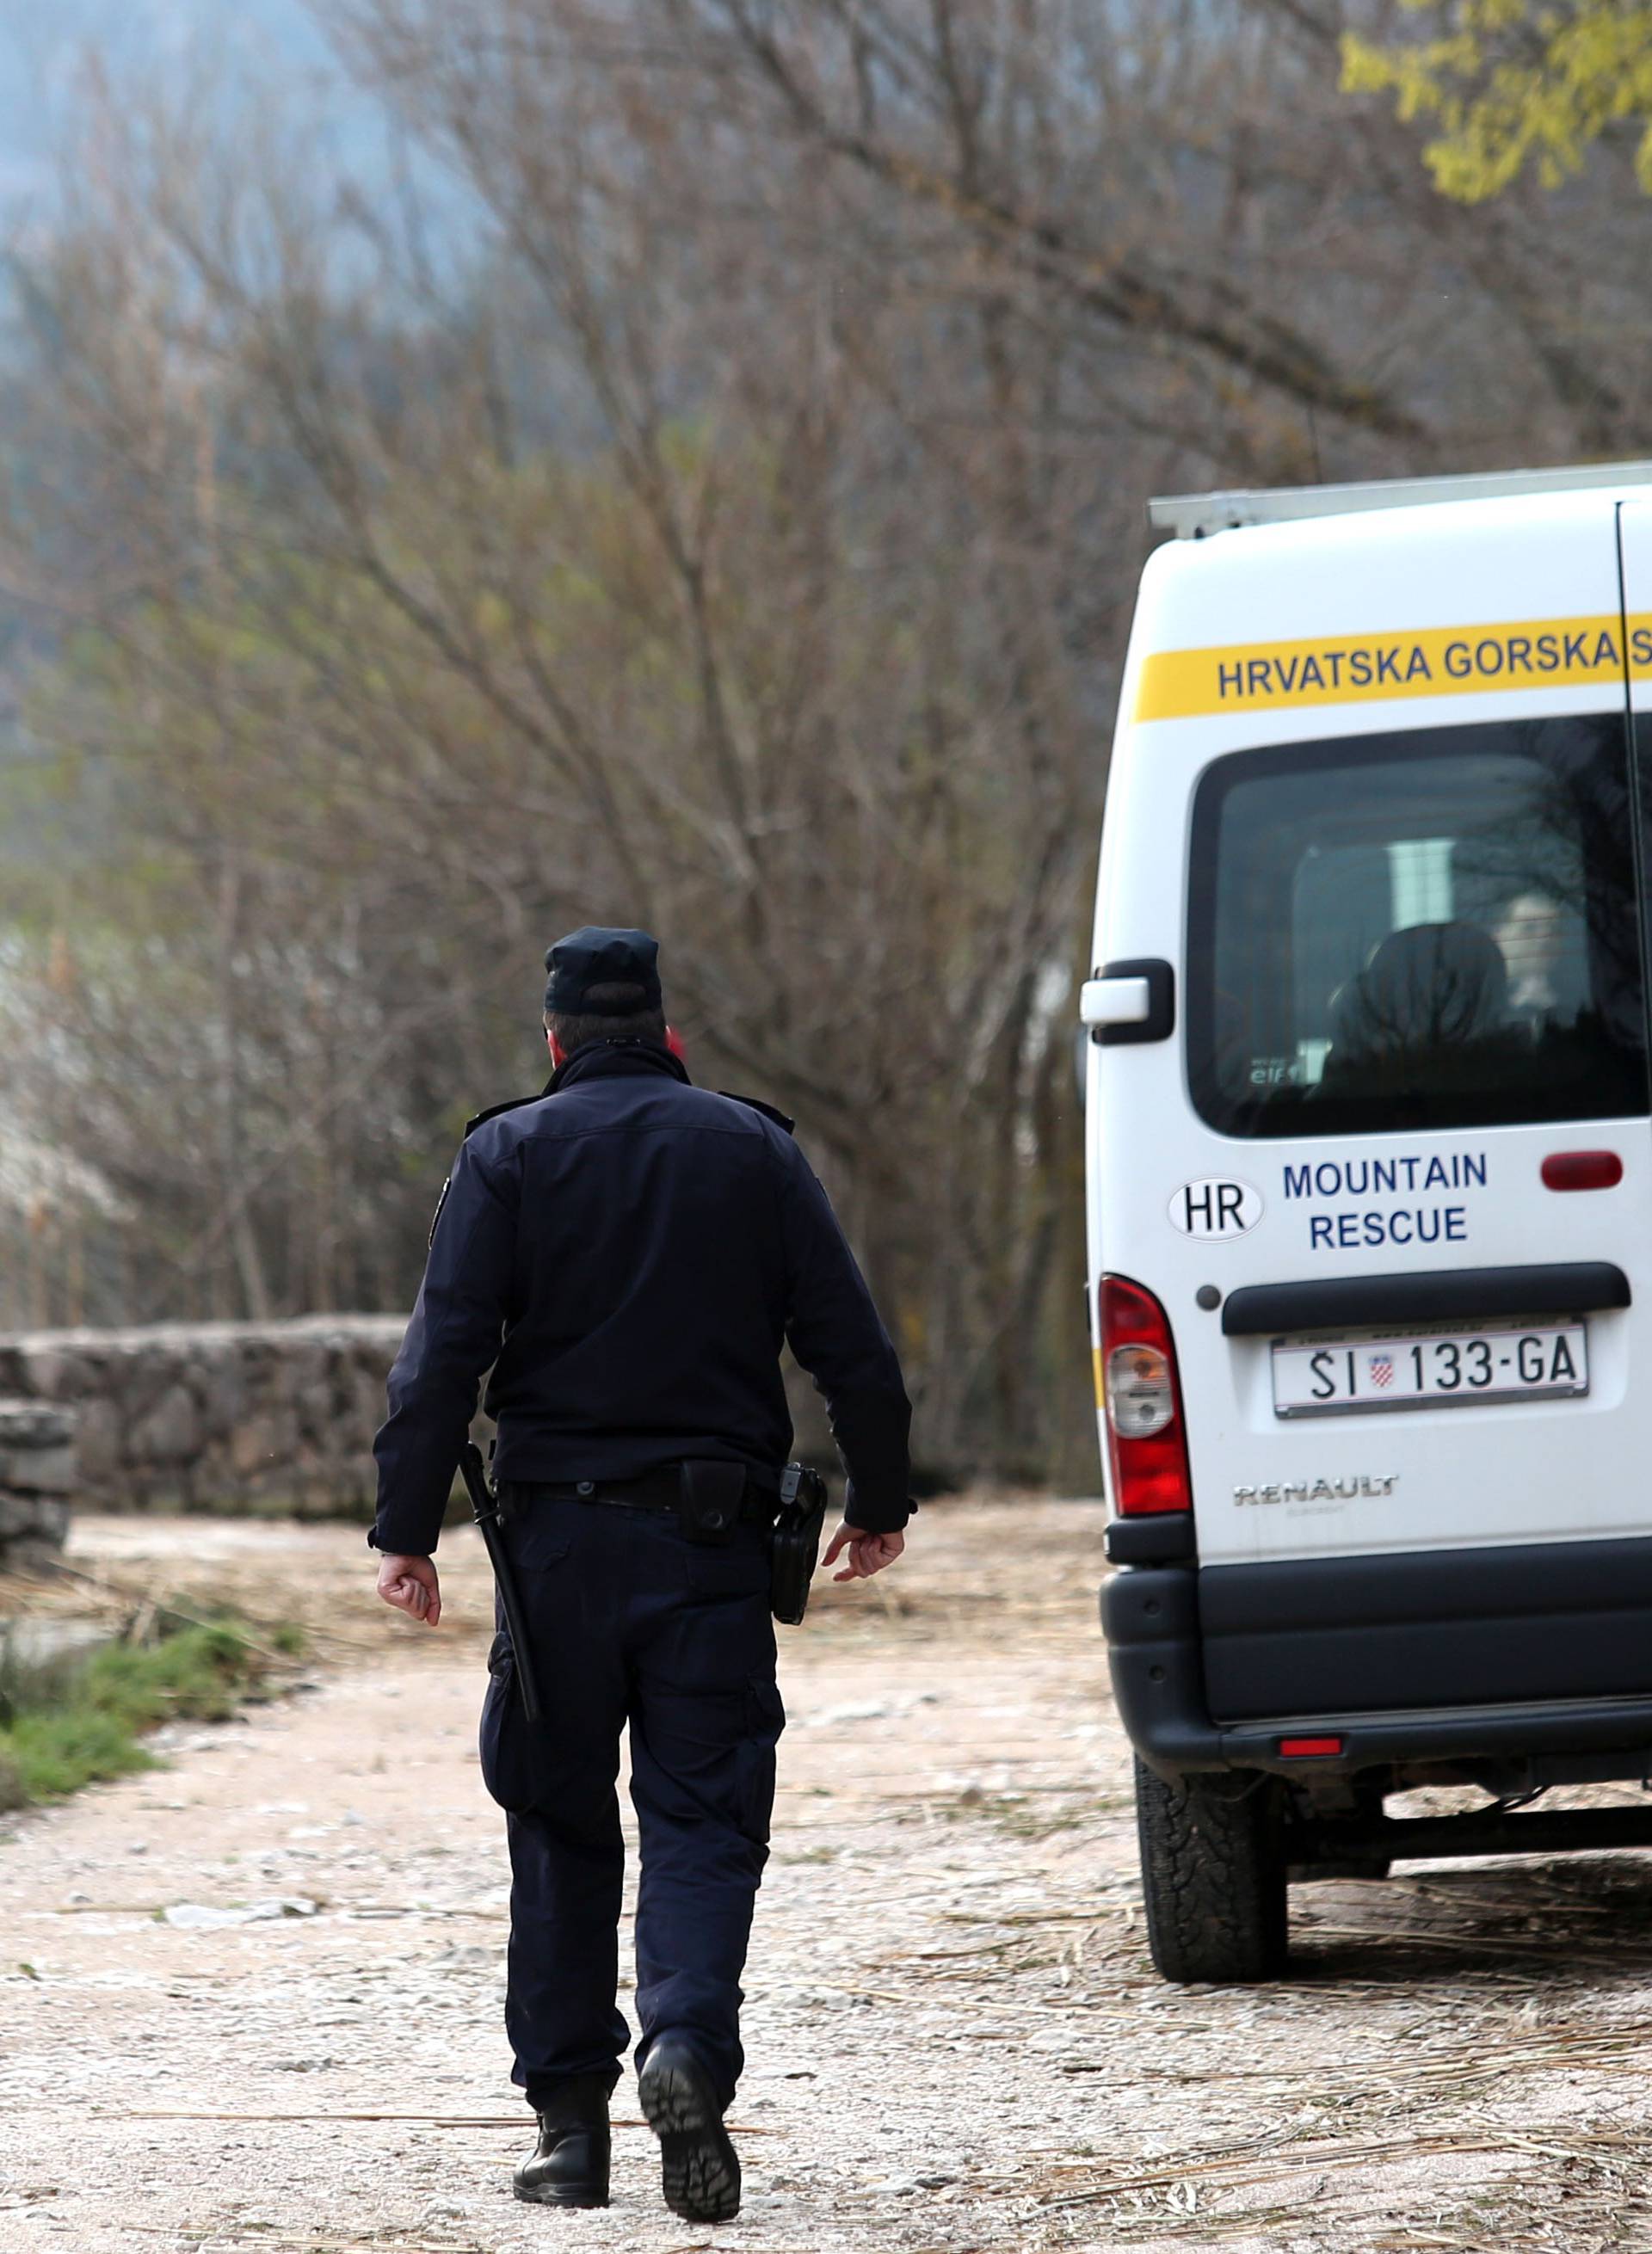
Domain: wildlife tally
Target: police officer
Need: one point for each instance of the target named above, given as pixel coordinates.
(628, 1253)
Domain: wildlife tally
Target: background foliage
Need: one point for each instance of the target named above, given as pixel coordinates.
(1515, 86)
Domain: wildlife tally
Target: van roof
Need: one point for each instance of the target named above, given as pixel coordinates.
(1192, 516)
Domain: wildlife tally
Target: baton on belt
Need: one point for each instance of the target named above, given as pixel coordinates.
(485, 1503)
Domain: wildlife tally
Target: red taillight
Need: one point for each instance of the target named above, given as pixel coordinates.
(1582, 1170)
(1308, 1749)
(1137, 1388)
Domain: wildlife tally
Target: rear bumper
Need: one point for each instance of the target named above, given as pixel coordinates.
(1157, 1652)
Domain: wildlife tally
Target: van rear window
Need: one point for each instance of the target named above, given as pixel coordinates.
(1431, 928)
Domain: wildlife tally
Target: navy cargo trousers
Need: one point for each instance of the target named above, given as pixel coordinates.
(632, 1624)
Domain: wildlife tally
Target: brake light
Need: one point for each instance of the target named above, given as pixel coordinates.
(1582, 1170)
(1146, 1446)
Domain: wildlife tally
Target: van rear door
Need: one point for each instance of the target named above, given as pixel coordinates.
(1415, 1037)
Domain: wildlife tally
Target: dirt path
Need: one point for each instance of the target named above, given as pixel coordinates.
(956, 2042)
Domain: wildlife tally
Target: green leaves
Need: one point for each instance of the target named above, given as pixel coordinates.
(1514, 87)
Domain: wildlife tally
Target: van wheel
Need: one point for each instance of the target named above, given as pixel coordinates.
(1213, 1872)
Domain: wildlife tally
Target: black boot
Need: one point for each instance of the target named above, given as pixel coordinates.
(569, 2168)
(700, 2169)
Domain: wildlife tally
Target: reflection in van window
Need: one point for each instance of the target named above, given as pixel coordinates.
(1436, 929)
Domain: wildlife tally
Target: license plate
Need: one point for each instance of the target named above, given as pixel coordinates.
(1326, 1376)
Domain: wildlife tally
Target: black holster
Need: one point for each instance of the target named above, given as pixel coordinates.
(795, 1545)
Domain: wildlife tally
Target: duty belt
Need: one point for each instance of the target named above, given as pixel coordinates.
(658, 1490)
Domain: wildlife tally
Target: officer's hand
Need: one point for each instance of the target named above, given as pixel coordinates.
(410, 1585)
(868, 1553)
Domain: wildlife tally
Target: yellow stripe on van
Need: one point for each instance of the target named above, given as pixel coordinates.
(1184, 684)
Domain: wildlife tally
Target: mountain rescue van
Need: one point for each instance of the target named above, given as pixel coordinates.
(1370, 1157)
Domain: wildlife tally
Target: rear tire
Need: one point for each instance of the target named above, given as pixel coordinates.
(1214, 1873)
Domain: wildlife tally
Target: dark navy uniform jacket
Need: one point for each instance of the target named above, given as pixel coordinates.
(629, 1253)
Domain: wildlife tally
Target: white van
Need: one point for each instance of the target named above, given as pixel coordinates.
(1369, 1151)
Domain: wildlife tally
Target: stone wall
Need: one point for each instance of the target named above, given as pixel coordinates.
(37, 1478)
(231, 1416)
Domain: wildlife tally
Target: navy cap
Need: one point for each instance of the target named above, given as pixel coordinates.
(597, 956)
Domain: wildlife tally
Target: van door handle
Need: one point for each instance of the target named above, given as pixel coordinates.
(1113, 1002)
(1429, 1295)
(1133, 1001)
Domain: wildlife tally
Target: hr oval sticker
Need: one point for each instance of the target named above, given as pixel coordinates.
(1215, 1207)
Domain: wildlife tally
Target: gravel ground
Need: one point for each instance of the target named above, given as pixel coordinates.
(251, 1999)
